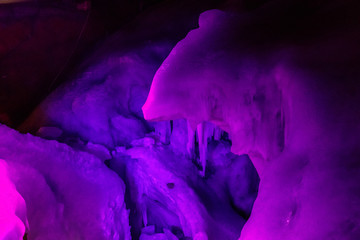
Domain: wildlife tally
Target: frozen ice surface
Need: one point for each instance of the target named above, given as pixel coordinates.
(102, 104)
(98, 150)
(12, 208)
(169, 195)
(102, 100)
(288, 97)
(68, 194)
(284, 88)
(49, 132)
(69, 191)
(163, 131)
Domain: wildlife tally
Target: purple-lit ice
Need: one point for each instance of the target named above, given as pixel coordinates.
(68, 194)
(247, 128)
(285, 102)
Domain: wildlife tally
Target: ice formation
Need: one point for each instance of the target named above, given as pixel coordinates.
(87, 107)
(179, 175)
(12, 208)
(68, 194)
(102, 100)
(288, 102)
(258, 90)
(166, 198)
(167, 193)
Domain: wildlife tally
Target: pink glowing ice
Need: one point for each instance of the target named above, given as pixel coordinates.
(292, 107)
(12, 208)
(69, 194)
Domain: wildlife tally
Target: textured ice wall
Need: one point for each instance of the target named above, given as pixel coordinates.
(68, 194)
(102, 104)
(283, 82)
(168, 194)
(99, 110)
(102, 101)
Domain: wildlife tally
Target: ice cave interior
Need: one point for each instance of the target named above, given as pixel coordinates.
(179, 119)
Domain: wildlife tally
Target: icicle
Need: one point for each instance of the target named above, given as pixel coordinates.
(205, 131)
(202, 146)
(190, 146)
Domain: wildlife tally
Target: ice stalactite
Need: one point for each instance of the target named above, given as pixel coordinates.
(206, 131)
(191, 141)
(203, 133)
(197, 138)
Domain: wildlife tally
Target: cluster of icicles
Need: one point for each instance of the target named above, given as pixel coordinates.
(197, 141)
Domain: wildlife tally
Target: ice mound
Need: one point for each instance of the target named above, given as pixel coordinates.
(103, 104)
(69, 194)
(12, 208)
